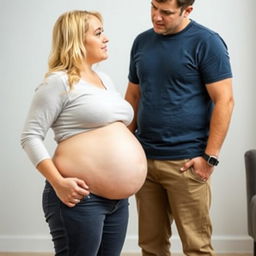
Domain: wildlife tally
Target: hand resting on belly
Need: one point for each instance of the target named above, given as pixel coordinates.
(109, 159)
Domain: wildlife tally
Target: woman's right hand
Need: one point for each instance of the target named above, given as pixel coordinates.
(71, 190)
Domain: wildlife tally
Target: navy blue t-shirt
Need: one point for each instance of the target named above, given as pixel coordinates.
(172, 72)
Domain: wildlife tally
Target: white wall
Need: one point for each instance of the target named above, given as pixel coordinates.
(25, 32)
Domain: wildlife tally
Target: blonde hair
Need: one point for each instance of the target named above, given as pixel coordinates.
(68, 37)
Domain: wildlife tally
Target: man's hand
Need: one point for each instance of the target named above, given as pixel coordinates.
(200, 167)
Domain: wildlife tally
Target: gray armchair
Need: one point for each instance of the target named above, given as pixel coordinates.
(250, 167)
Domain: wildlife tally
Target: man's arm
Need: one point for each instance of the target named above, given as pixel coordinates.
(222, 97)
(133, 97)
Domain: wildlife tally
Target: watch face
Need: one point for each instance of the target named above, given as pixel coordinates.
(213, 161)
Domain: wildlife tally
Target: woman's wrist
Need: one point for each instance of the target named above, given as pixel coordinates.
(50, 172)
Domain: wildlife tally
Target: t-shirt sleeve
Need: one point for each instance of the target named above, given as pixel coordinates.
(133, 77)
(46, 105)
(214, 61)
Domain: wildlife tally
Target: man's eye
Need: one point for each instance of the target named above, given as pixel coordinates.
(166, 13)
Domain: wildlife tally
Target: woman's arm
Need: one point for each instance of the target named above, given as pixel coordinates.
(69, 190)
(48, 102)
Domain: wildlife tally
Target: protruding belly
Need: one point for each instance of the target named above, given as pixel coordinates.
(109, 159)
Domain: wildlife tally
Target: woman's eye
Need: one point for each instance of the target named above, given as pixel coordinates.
(99, 32)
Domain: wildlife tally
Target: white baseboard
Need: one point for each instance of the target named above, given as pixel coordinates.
(222, 244)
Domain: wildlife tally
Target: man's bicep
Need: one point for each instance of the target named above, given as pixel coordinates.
(220, 90)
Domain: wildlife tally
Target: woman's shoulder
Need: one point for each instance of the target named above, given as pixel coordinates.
(59, 77)
(55, 81)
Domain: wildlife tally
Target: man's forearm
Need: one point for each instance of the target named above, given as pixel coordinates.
(133, 96)
(219, 125)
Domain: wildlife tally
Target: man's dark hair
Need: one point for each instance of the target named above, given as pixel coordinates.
(181, 3)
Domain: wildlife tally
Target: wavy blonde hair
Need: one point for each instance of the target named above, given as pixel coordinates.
(68, 37)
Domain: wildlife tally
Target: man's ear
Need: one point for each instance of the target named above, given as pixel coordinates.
(188, 10)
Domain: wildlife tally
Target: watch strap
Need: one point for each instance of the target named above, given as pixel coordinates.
(211, 160)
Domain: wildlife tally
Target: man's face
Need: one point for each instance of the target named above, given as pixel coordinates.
(167, 17)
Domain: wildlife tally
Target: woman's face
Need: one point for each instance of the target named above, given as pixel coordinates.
(95, 42)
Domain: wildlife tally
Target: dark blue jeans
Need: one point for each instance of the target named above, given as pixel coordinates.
(94, 227)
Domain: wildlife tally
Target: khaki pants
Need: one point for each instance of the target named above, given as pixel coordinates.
(168, 195)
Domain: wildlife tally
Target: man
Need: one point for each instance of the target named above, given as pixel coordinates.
(181, 90)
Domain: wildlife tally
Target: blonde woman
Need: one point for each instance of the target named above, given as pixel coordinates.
(98, 163)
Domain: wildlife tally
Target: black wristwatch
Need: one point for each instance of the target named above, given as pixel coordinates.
(211, 160)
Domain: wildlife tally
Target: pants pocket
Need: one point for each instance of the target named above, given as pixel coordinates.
(194, 176)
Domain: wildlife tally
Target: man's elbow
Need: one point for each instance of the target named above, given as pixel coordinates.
(231, 103)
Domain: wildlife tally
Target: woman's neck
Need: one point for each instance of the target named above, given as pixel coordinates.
(89, 75)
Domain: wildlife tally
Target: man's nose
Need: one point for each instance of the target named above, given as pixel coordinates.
(157, 16)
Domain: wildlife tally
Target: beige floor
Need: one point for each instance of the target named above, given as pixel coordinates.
(125, 254)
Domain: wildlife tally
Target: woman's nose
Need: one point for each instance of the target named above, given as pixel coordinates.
(105, 39)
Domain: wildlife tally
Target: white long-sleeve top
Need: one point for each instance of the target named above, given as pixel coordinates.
(70, 112)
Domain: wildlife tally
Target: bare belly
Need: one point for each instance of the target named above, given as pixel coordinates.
(109, 159)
